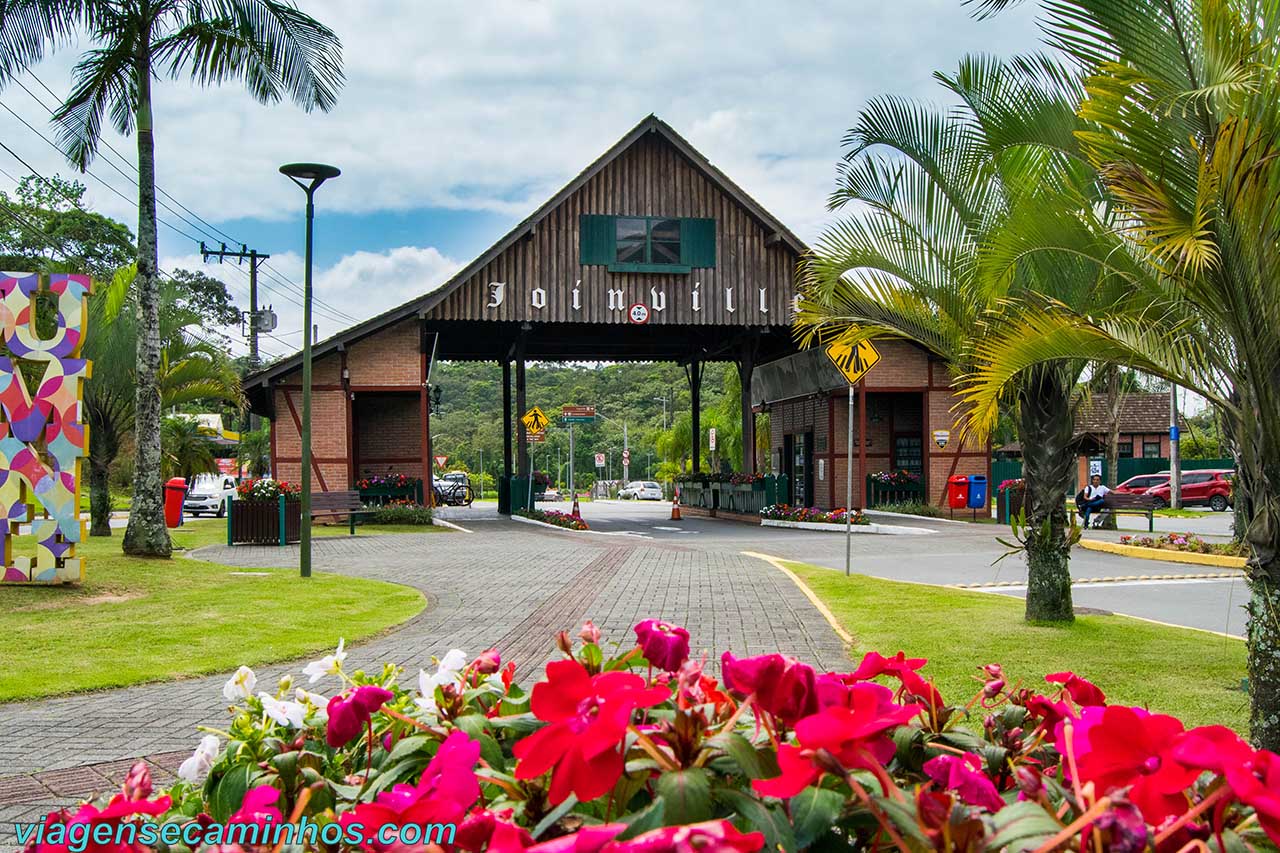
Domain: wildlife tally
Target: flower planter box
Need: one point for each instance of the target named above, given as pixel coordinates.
(379, 495)
(743, 497)
(893, 493)
(259, 522)
(836, 527)
(1009, 504)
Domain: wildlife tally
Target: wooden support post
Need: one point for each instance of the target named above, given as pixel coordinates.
(522, 445)
(505, 490)
(694, 373)
(746, 366)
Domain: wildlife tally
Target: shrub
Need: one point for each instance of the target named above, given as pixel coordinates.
(267, 490)
(1186, 542)
(786, 512)
(400, 512)
(556, 517)
(911, 508)
(775, 755)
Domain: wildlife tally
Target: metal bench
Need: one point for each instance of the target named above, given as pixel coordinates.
(1120, 503)
(337, 504)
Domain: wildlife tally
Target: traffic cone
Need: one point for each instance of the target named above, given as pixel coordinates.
(575, 513)
(675, 506)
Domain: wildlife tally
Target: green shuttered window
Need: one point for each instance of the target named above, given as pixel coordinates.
(647, 243)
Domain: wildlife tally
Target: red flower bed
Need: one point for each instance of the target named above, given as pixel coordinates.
(642, 750)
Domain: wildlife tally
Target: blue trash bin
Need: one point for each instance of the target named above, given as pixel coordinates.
(977, 491)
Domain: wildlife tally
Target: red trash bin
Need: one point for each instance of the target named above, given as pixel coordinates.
(958, 491)
(175, 492)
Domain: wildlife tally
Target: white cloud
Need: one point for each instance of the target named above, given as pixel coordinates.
(492, 104)
(355, 288)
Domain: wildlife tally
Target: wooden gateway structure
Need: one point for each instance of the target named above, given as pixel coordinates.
(650, 254)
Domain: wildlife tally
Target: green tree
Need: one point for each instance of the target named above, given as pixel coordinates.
(270, 46)
(51, 231)
(186, 451)
(941, 198)
(1187, 140)
(254, 451)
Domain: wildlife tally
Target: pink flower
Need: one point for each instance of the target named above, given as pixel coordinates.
(137, 785)
(120, 807)
(487, 662)
(589, 633)
(1118, 747)
(1081, 692)
(856, 736)
(1257, 783)
(963, 774)
(783, 686)
(665, 646)
(447, 789)
(874, 663)
(258, 808)
(713, 836)
(349, 713)
(588, 716)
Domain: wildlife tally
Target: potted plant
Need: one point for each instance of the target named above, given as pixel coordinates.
(265, 512)
(541, 481)
(1010, 495)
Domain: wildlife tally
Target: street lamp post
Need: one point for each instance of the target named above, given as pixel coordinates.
(309, 176)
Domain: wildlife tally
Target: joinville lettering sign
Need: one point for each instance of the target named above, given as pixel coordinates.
(42, 435)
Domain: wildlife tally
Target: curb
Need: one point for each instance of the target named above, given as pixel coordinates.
(449, 524)
(917, 517)
(824, 527)
(523, 520)
(1118, 579)
(1218, 560)
(818, 603)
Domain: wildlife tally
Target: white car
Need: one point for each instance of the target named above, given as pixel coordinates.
(209, 493)
(644, 490)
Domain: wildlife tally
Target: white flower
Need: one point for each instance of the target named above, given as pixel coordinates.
(319, 705)
(240, 686)
(197, 766)
(328, 665)
(448, 671)
(285, 713)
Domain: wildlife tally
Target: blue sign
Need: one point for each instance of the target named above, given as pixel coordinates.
(1173, 433)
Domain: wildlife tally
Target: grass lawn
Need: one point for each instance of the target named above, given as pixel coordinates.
(137, 620)
(1190, 674)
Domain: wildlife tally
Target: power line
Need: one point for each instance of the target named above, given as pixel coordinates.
(334, 314)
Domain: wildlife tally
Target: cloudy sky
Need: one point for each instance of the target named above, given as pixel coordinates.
(458, 119)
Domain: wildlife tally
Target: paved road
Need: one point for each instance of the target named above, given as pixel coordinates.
(954, 554)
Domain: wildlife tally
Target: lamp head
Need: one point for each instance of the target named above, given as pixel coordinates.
(309, 175)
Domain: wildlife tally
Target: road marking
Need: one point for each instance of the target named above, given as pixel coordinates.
(1125, 579)
(670, 529)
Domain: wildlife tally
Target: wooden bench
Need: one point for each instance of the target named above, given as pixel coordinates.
(336, 504)
(1120, 503)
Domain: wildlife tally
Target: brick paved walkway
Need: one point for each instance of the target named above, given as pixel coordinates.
(507, 585)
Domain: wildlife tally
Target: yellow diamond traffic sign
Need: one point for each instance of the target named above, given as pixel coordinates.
(853, 361)
(534, 421)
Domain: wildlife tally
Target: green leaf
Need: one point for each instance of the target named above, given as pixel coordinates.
(746, 756)
(229, 793)
(813, 811)
(477, 726)
(903, 818)
(518, 724)
(687, 794)
(554, 815)
(406, 747)
(591, 655)
(286, 764)
(753, 815)
(1022, 826)
(650, 817)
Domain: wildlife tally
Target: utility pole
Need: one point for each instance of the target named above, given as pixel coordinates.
(255, 258)
(663, 398)
(626, 455)
(1175, 457)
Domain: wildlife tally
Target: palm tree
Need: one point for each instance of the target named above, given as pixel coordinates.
(254, 451)
(273, 48)
(1188, 142)
(941, 196)
(187, 451)
(189, 371)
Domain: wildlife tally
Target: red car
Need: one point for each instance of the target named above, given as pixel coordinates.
(1138, 485)
(1199, 487)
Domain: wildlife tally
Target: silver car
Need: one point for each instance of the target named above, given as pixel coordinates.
(644, 490)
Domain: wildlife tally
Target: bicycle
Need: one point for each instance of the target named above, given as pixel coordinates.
(454, 494)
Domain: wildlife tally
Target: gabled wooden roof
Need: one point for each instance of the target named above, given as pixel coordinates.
(421, 305)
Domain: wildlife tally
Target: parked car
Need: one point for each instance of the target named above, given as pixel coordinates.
(644, 490)
(1199, 488)
(1141, 483)
(549, 495)
(208, 493)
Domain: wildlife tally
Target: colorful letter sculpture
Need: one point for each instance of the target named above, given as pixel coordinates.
(43, 441)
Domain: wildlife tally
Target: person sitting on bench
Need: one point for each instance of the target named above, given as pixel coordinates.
(1092, 498)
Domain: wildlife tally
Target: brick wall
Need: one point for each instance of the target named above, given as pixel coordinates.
(391, 357)
(908, 404)
(388, 434)
(328, 438)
